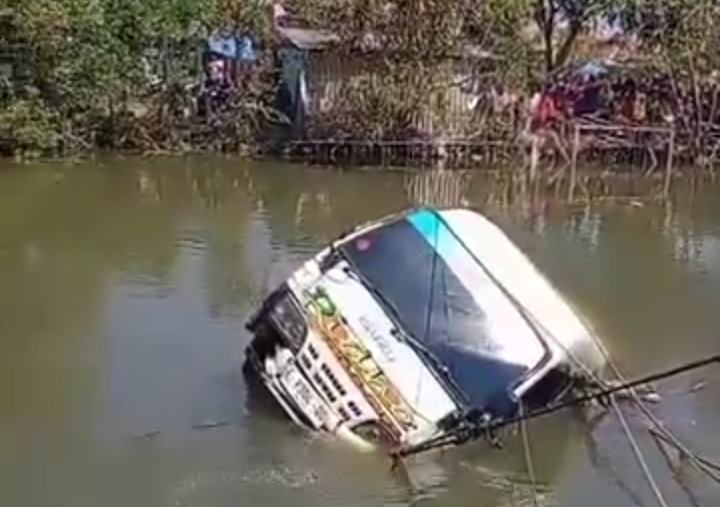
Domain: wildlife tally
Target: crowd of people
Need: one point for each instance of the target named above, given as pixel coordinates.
(631, 115)
(627, 100)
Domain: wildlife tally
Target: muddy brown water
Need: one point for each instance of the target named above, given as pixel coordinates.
(124, 286)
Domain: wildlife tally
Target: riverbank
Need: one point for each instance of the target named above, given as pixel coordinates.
(506, 188)
(315, 84)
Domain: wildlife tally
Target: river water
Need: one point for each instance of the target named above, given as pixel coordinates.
(124, 286)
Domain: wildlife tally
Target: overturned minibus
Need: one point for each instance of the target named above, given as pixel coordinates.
(404, 328)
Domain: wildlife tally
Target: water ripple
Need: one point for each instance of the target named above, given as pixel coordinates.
(191, 240)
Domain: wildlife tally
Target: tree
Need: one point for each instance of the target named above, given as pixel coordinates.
(575, 14)
(80, 66)
(681, 38)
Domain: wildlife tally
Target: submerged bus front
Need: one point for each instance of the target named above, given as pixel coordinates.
(401, 328)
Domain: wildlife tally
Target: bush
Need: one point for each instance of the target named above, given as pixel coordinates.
(83, 74)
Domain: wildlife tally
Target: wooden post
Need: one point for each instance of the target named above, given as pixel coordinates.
(573, 161)
(669, 164)
(535, 154)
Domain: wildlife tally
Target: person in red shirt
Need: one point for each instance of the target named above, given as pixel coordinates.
(544, 109)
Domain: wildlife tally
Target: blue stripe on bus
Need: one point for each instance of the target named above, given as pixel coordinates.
(436, 233)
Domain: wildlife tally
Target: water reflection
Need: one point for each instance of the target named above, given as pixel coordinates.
(125, 286)
(437, 187)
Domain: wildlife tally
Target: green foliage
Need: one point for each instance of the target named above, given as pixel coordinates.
(414, 38)
(81, 65)
(26, 126)
(84, 77)
(499, 26)
(677, 34)
(401, 60)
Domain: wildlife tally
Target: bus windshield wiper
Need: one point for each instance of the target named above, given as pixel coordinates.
(398, 331)
(388, 305)
(430, 356)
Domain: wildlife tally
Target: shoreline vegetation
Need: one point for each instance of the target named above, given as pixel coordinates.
(550, 83)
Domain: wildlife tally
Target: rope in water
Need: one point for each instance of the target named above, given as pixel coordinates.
(465, 433)
(627, 432)
(529, 462)
(628, 386)
(638, 454)
(603, 462)
(700, 462)
(677, 472)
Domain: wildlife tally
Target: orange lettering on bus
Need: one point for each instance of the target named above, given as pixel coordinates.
(364, 371)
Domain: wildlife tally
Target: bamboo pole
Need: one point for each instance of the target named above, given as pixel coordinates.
(669, 164)
(573, 162)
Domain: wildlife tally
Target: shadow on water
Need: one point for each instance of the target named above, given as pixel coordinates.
(125, 289)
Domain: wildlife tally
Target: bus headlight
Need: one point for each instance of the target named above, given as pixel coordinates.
(289, 320)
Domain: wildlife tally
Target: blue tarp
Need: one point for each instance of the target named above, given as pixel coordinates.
(247, 50)
(242, 48)
(593, 68)
(223, 46)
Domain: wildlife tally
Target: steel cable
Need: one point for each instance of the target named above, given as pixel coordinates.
(527, 451)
